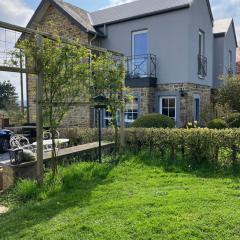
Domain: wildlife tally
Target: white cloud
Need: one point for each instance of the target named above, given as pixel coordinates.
(15, 11)
(227, 9)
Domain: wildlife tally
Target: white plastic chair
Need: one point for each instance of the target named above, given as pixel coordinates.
(20, 142)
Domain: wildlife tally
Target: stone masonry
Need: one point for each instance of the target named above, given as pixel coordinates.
(54, 21)
(147, 96)
(186, 101)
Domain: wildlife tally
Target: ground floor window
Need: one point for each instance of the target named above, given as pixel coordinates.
(130, 115)
(196, 109)
(132, 111)
(168, 107)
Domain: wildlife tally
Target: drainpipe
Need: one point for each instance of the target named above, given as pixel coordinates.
(90, 63)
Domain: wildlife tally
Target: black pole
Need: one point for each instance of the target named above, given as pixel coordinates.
(99, 136)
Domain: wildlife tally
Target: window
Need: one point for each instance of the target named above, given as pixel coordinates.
(196, 109)
(131, 113)
(107, 118)
(140, 53)
(202, 60)
(201, 43)
(168, 107)
(229, 60)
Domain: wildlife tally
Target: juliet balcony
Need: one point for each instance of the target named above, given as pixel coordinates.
(202, 66)
(141, 71)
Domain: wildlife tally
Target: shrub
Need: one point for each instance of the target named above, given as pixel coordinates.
(217, 124)
(154, 121)
(199, 146)
(26, 190)
(233, 120)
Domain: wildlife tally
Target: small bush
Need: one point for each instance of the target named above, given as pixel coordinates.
(154, 121)
(217, 124)
(233, 120)
(26, 190)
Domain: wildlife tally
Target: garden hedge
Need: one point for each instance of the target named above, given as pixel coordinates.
(217, 124)
(200, 145)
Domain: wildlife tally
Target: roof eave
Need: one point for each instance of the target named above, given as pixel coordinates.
(73, 20)
(223, 34)
(184, 6)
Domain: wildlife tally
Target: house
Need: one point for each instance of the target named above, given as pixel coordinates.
(175, 53)
(225, 43)
(238, 61)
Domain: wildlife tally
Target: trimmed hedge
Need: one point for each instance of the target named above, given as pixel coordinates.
(154, 121)
(195, 145)
(217, 124)
(200, 145)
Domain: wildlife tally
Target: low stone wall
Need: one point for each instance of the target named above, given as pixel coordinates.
(10, 173)
(83, 153)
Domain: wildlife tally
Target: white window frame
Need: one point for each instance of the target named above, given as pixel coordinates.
(133, 39)
(168, 97)
(133, 47)
(132, 112)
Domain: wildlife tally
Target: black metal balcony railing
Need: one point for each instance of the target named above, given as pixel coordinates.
(202, 66)
(141, 66)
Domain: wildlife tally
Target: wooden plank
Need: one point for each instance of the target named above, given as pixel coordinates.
(17, 70)
(39, 116)
(49, 36)
(78, 149)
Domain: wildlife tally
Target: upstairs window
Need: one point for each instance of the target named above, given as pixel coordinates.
(201, 43)
(140, 53)
(202, 60)
(230, 70)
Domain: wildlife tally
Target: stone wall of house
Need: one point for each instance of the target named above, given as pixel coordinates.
(147, 96)
(55, 21)
(186, 101)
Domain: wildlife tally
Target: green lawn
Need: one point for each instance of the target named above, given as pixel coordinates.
(136, 199)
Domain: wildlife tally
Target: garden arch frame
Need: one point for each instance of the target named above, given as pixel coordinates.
(39, 87)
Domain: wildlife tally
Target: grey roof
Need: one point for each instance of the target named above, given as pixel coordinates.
(222, 25)
(80, 15)
(77, 15)
(135, 9)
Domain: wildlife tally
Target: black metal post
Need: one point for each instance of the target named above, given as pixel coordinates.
(99, 136)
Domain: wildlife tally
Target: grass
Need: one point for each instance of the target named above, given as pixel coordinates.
(139, 198)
